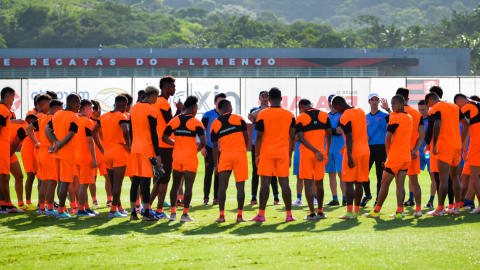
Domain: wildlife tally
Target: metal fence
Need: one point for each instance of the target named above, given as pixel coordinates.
(242, 92)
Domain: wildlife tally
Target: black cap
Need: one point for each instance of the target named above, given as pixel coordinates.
(330, 97)
(263, 93)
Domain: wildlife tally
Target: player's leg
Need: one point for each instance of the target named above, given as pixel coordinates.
(400, 180)
(442, 184)
(450, 194)
(366, 185)
(475, 185)
(93, 192)
(42, 197)
(299, 188)
(320, 198)
(457, 188)
(240, 199)
(17, 173)
(83, 199)
(176, 181)
(133, 196)
(332, 179)
(274, 183)
(343, 187)
(465, 183)
(286, 194)
(108, 188)
(224, 176)
(417, 191)
(387, 178)
(117, 175)
(62, 196)
(255, 178)
(189, 180)
(73, 194)
(50, 196)
(209, 171)
(309, 196)
(29, 188)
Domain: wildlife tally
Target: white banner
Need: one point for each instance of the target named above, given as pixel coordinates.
(104, 90)
(63, 87)
(17, 103)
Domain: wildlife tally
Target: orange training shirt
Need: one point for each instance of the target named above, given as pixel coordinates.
(98, 154)
(275, 122)
(354, 121)
(144, 118)
(82, 153)
(417, 120)
(186, 128)
(472, 113)
(5, 122)
(313, 123)
(111, 129)
(450, 115)
(401, 126)
(64, 122)
(228, 129)
(164, 116)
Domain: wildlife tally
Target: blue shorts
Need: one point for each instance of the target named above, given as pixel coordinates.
(424, 162)
(462, 162)
(334, 164)
(296, 168)
(296, 159)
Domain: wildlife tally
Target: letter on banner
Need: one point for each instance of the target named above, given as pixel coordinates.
(205, 62)
(258, 61)
(244, 62)
(191, 62)
(179, 61)
(139, 61)
(33, 62)
(46, 62)
(85, 61)
(58, 62)
(112, 62)
(99, 62)
(6, 62)
(232, 61)
(218, 62)
(72, 63)
(271, 61)
(153, 61)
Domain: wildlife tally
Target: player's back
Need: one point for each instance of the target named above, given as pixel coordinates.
(111, 129)
(472, 112)
(5, 131)
(164, 111)
(82, 153)
(186, 128)
(18, 130)
(63, 122)
(416, 120)
(449, 114)
(275, 122)
(354, 120)
(401, 125)
(313, 123)
(42, 124)
(228, 129)
(141, 115)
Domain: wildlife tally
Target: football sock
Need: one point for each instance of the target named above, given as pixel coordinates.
(335, 197)
(410, 195)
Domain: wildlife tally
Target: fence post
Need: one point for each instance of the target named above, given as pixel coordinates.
(295, 98)
(240, 97)
(21, 98)
(76, 85)
(131, 86)
(187, 90)
(351, 90)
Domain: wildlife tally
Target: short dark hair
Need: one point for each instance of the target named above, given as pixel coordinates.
(52, 94)
(121, 98)
(96, 105)
(304, 102)
(129, 98)
(35, 100)
(166, 79)
(221, 95)
(475, 97)
(190, 102)
(6, 90)
(85, 102)
(275, 93)
(223, 103)
(141, 92)
(339, 100)
(72, 97)
(460, 95)
(32, 117)
(43, 97)
(399, 98)
(430, 96)
(404, 92)
(437, 90)
(55, 103)
(422, 102)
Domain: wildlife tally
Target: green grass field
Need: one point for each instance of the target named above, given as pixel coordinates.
(28, 241)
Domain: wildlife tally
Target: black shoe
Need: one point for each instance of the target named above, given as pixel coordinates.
(344, 203)
(429, 205)
(205, 202)
(365, 200)
(215, 202)
(409, 202)
(332, 203)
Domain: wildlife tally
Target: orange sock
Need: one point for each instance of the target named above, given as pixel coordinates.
(50, 206)
(81, 207)
(87, 206)
(173, 210)
(222, 213)
(180, 197)
(113, 208)
(261, 212)
(457, 205)
(150, 207)
(74, 205)
(60, 210)
(3, 203)
(418, 208)
(29, 201)
(461, 204)
(450, 206)
(109, 198)
(64, 209)
(94, 199)
(349, 208)
(289, 212)
(240, 212)
(440, 207)
(378, 208)
(138, 203)
(9, 203)
(320, 210)
(120, 207)
(20, 203)
(356, 208)
(159, 210)
(399, 209)
(141, 198)
(42, 206)
(185, 211)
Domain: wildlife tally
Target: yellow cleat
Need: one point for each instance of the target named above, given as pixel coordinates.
(31, 207)
(23, 207)
(373, 214)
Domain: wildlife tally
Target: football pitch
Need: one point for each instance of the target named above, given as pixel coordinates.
(29, 241)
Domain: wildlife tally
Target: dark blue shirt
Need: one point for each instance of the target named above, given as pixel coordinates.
(338, 142)
(377, 127)
(207, 121)
(254, 134)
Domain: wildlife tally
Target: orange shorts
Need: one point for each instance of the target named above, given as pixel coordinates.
(433, 163)
(45, 165)
(310, 167)
(279, 167)
(450, 156)
(394, 167)
(141, 165)
(414, 168)
(129, 170)
(29, 162)
(5, 161)
(185, 165)
(359, 173)
(474, 155)
(116, 157)
(86, 174)
(101, 168)
(466, 168)
(238, 162)
(64, 169)
(13, 158)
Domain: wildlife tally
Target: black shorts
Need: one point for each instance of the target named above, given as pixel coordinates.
(166, 154)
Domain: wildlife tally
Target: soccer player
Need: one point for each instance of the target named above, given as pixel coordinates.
(144, 146)
(353, 122)
(471, 110)
(377, 122)
(399, 136)
(275, 139)
(129, 170)
(313, 127)
(334, 159)
(164, 116)
(207, 153)
(230, 131)
(102, 170)
(296, 171)
(418, 137)
(61, 130)
(424, 161)
(185, 161)
(7, 97)
(114, 127)
(140, 96)
(252, 116)
(45, 165)
(85, 158)
(447, 145)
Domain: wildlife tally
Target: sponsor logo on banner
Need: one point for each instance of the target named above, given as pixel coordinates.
(106, 98)
(418, 89)
(16, 103)
(428, 85)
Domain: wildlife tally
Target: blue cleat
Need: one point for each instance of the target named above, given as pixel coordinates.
(64, 215)
(42, 212)
(161, 216)
(166, 204)
(50, 213)
(84, 214)
(90, 211)
(116, 215)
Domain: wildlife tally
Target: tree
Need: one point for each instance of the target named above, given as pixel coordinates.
(330, 40)
(191, 12)
(3, 44)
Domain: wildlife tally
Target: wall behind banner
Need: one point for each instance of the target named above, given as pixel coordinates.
(242, 92)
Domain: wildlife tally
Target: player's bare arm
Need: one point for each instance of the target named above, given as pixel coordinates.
(258, 145)
(96, 138)
(203, 142)
(31, 133)
(126, 136)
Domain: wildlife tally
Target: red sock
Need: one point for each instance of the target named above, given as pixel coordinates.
(378, 208)
(120, 207)
(356, 209)
(261, 212)
(65, 209)
(81, 207)
(50, 206)
(9, 203)
(159, 210)
(87, 206)
(74, 205)
(185, 211)
(29, 201)
(113, 208)
(141, 197)
(450, 206)
(20, 203)
(461, 204)
(240, 212)
(173, 210)
(440, 207)
(60, 210)
(109, 198)
(349, 208)
(289, 213)
(180, 197)
(222, 213)
(42, 206)
(418, 208)
(3, 202)
(138, 203)
(150, 207)
(94, 199)
(399, 209)
(320, 210)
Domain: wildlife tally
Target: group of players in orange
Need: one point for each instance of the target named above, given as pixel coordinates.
(66, 146)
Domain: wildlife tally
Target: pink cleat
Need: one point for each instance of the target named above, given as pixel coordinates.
(290, 218)
(258, 219)
(436, 213)
(476, 211)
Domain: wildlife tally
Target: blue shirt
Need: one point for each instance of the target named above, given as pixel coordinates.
(338, 142)
(207, 121)
(254, 134)
(425, 122)
(296, 153)
(377, 127)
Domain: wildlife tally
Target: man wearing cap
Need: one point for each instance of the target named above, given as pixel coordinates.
(252, 116)
(377, 122)
(334, 165)
(207, 153)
